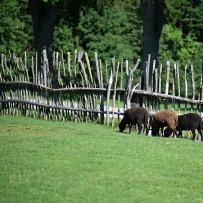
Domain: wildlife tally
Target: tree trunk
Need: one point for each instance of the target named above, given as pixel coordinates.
(44, 19)
(153, 20)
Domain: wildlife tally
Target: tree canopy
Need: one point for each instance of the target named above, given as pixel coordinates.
(111, 28)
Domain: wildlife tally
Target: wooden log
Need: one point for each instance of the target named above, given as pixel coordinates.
(97, 68)
(147, 82)
(84, 74)
(6, 68)
(167, 83)
(89, 68)
(36, 68)
(108, 97)
(186, 87)
(26, 75)
(69, 70)
(106, 66)
(33, 73)
(145, 86)
(201, 93)
(167, 76)
(156, 89)
(160, 82)
(75, 61)
(153, 82)
(126, 84)
(114, 94)
(101, 93)
(129, 86)
(193, 82)
(174, 86)
(178, 84)
(45, 62)
(121, 84)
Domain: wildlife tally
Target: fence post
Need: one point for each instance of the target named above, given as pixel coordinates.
(186, 88)
(75, 61)
(97, 67)
(114, 93)
(69, 70)
(126, 84)
(167, 83)
(89, 68)
(45, 62)
(193, 82)
(201, 93)
(108, 97)
(130, 81)
(101, 96)
(174, 85)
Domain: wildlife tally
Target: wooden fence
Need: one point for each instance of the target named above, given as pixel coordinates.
(82, 90)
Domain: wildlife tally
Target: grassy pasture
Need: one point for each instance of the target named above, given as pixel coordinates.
(50, 161)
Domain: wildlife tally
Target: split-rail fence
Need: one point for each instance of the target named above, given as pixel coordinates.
(78, 89)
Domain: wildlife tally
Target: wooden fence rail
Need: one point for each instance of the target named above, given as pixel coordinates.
(85, 90)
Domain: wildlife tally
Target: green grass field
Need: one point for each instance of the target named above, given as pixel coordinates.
(51, 161)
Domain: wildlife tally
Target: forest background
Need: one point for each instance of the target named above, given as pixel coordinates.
(112, 29)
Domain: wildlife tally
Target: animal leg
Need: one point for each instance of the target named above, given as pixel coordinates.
(130, 126)
(194, 134)
(180, 134)
(140, 128)
(200, 132)
(175, 131)
(146, 128)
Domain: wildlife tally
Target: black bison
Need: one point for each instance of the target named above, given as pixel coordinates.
(132, 116)
(189, 121)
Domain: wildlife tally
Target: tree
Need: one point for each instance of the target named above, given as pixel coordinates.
(44, 16)
(192, 20)
(114, 30)
(153, 20)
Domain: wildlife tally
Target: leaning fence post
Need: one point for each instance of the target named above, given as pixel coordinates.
(126, 84)
(201, 93)
(69, 70)
(45, 67)
(193, 82)
(108, 97)
(174, 85)
(129, 88)
(101, 96)
(89, 68)
(167, 83)
(152, 89)
(75, 61)
(114, 94)
(2, 65)
(186, 88)
(97, 67)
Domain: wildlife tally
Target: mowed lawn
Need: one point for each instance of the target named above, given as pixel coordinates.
(55, 161)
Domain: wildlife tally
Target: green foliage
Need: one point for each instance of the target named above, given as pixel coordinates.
(193, 18)
(111, 32)
(175, 11)
(13, 30)
(182, 49)
(175, 47)
(63, 38)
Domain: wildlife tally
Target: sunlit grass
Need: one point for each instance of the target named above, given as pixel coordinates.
(50, 161)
